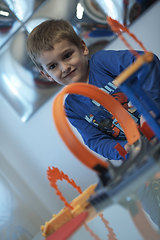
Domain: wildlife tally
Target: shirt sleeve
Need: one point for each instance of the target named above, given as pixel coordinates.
(116, 61)
(152, 82)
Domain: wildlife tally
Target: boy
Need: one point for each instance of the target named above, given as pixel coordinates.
(61, 56)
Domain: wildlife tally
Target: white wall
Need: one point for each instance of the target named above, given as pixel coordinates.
(27, 149)
(147, 30)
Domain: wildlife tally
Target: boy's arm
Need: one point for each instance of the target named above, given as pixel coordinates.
(95, 139)
(152, 83)
(120, 60)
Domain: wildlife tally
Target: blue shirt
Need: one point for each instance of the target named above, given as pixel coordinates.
(98, 128)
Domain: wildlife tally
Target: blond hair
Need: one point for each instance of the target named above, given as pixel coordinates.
(44, 36)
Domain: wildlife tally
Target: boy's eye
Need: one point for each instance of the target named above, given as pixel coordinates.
(68, 55)
(53, 66)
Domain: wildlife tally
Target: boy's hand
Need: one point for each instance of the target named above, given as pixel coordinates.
(142, 119)
(127, 147)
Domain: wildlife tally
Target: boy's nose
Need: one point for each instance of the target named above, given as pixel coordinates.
(64, 67)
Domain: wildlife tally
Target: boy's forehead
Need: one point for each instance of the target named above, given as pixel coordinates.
(63, 42)
(58, 49)
(60, 45)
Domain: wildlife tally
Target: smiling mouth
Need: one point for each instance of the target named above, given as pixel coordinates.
(69, 74)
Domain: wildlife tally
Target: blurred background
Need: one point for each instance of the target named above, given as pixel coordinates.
(21, 83)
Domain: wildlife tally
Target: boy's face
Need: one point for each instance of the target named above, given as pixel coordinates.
(66, 63)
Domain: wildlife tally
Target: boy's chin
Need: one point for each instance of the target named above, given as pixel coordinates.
(77, 80)
(81, 81)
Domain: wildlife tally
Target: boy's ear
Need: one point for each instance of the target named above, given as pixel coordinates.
(84, 48)
(47, 76)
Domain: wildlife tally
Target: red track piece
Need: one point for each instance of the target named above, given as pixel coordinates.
(121, 150)
(69, 228)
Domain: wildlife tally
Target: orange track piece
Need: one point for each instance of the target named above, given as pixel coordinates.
(71, 210)
(107, 101)
(53, 175)
(119, 28)
(78, 206)
(111, 235)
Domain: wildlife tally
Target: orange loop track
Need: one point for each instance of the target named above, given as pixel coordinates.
(108, 102)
